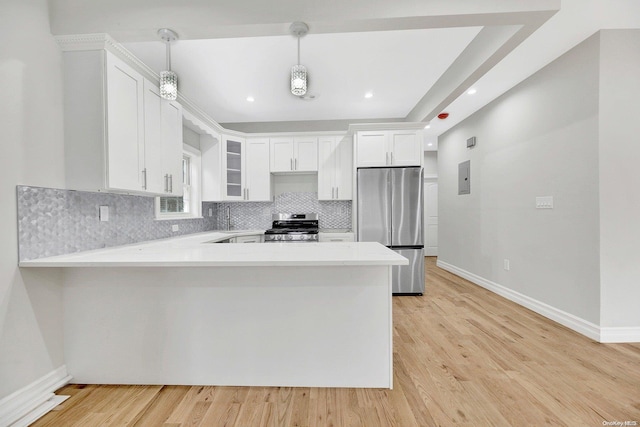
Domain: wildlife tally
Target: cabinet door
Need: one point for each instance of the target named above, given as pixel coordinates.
(281, 150)
(153, 177)
(172, 146)
(234, 176)
(371, 149)
(256, 167)
(344, 169)
(326, 168)
(305, 154)
(125, 126)
(406, 148)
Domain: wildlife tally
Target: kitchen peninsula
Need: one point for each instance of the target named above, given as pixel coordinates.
(189, 311)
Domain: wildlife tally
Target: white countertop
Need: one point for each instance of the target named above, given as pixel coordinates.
(197, 250)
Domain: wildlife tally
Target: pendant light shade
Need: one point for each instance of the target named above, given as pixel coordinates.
(168, 79)
(298, 71)
(298, 80)
(168, 85)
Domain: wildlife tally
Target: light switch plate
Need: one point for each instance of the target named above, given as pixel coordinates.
(545, 202)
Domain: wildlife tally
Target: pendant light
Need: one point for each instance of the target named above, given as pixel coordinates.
(168, 79)
(298, 71)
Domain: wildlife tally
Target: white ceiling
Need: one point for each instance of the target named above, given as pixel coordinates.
(417, 57)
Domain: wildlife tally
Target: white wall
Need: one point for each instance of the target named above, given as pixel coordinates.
(32, 145)
(430, 163)
(620, 178)
(538, 139)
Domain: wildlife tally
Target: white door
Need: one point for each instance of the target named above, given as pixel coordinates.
(257, 175)
(371, 149)
(305, 154)
(172, 145)
(431, 217)
(125, 126)
(326, 168)
(281, 154)
(406, 148)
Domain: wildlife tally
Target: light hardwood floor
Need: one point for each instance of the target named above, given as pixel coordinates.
(462, 356)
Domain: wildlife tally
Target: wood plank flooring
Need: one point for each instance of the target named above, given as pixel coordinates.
(462, 356)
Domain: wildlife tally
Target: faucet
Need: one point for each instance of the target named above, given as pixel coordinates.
(228, 218)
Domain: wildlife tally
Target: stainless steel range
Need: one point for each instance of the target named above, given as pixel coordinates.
(293, 228)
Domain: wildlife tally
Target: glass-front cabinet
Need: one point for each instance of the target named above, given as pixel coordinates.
(233, 152)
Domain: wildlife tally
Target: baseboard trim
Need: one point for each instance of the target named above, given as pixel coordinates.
(620, 335)
(569, 320)
(33, 401)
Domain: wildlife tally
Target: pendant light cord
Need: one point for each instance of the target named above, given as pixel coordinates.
(298, 50)
(168, 55)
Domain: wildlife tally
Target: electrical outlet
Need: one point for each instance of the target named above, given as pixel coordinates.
(175, 227)
(507, 265)
(210, 212)
(104, 213)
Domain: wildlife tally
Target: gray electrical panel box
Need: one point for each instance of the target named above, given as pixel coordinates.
(464, 177)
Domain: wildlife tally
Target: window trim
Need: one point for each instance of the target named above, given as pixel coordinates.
(195, 205)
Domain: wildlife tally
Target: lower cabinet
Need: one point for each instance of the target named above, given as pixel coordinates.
(336, 237)
(255, 238)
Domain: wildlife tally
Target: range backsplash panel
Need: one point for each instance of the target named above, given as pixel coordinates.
(56, 222)
(333, 214)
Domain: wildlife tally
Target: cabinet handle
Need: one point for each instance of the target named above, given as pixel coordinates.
(391, 158)
(295, 163)
(166, 183)
(144, 178)
(291, 167)
(171, 183)
(247, 194)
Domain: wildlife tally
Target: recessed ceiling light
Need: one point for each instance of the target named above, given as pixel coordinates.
(429, 145)
(368, 95)
(250, 99)
(428, 126)
(471, 91)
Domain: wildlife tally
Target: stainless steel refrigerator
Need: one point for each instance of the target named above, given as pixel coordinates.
(390, 212)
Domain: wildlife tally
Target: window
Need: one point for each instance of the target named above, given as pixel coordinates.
(189, 205)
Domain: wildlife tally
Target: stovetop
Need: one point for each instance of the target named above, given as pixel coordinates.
(293, 227)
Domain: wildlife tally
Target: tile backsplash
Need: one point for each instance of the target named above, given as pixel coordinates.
(257, 215)
(55, 222)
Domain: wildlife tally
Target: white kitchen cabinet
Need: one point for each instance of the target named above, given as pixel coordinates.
(335, 168)
(118, 133)
(233, 163)
(389, 148)
(246, 169)
(255, 238)
(162, 171)
(335, 237)
(257, 172)
(294, 154)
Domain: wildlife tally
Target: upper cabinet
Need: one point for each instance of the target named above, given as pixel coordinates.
(335, 168)
(235, 169)
(389, 148)
(162, 143)
(257, 171)
(233, 158)
(294, 154)
(119, 134)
